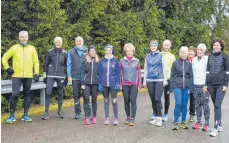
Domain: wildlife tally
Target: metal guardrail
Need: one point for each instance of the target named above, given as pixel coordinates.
(6, 87)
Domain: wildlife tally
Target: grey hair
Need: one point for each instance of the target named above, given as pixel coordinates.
(79, 38)
(23, 32)
(183, 49)
(202, 46)
(58, 39)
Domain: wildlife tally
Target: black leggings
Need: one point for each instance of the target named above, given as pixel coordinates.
(217, 96)
(49, 86)
(90, 89)
(167, 97)
(130, 95)
(155, 90)
(16, 85)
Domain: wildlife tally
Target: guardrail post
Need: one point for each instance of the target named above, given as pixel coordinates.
(42, 97)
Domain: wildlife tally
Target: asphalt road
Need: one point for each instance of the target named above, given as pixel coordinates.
(69, 130)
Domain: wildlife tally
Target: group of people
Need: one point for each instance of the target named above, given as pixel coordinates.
(193, 75)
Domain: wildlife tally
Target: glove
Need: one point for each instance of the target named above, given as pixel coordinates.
(10, 71)
(117, 87)
(36, 78)
(83, 87)
(45, 80)
(100, 88)
(65, 81)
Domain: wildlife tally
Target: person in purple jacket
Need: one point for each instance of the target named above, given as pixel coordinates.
(109, 82)
(130, 82)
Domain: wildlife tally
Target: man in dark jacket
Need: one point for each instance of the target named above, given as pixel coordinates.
(76, 57)
(55, 71)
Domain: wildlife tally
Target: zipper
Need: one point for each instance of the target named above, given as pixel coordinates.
(92, 70)
(183, 74)
(58, 54)
(213, 68)
(108, 72)
(23, 61)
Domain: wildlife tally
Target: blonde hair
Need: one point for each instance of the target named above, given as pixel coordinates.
(58, 39)
(88, 58)
(129, 45)
(168, 42)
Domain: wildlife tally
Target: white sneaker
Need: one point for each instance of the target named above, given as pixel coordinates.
(153, 122)
(213, 132)
(159, 122)
(220, 129)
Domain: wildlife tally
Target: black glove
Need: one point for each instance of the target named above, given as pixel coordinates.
(36, 78)
(65, 81)
(10, 71)
(45, 80)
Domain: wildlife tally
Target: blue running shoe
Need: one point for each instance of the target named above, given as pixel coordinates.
(78, 116)
(11, 119)
(165, 117)
(26, 118)
(153, 117)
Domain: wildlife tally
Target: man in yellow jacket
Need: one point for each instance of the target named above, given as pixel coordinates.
(25, 67)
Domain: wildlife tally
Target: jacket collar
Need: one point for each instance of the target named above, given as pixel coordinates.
(109, 57)
(182, 60)
(125, 58)
(156, 52)
(83, 49)
(58, 49)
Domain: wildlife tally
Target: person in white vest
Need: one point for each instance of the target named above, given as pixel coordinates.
(199, 67)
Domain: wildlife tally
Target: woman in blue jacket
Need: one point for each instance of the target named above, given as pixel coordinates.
(181, 83)
(109, 79)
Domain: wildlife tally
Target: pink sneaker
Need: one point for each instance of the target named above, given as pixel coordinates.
(94, 120)
(86, 121)
(205, 128)
(197, 126)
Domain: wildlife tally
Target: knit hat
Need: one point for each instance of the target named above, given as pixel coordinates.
(91, 47)
(110, 46)
(153, 42)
